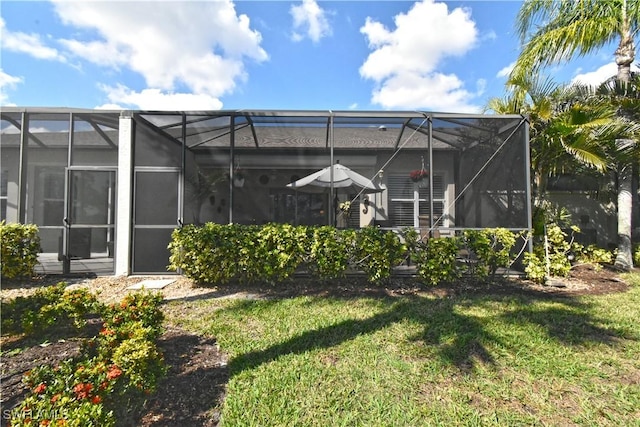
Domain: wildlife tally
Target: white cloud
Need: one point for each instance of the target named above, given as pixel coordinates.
(7, 82)
(197, 47)
(404, 61)
(353, 106)
(481, 86)
(506, 71)
(595, 78)
(311, 19)
(29, 44)
(435, 91)
(490, 36)
(121, 97)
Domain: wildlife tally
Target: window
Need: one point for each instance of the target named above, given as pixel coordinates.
(409, 201)
(299, 209)
(51, 180)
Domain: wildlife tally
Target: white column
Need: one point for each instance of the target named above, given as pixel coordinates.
(124, 223)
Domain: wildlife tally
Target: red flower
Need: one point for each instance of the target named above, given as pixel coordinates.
(114, 372)
(82, 390)
(96, 399)
(40, 388)
(55, 398)
(44, 423)
(106, 331)
(418, 174)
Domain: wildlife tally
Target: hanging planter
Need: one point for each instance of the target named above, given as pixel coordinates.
(418, 175)
(238, 180)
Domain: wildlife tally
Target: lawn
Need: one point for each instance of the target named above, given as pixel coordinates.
(471, 358)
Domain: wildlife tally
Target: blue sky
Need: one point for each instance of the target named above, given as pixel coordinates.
(207, 55)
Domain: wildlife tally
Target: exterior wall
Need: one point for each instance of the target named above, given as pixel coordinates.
(597, 220)
(404, 163)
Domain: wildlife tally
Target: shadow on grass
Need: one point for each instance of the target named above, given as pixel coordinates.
(457, 337)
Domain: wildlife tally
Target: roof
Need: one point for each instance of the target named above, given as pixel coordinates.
(267, 129)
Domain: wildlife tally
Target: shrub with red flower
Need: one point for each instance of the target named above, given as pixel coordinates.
(114, 372)
(121, 361)
(82, 390)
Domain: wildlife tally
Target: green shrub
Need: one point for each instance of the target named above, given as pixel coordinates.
(557, 250)
(140, 361)
(211, 253)
(74, 391)
(636, 256)
(436, 260)
(535, 267)
(137, 310)
(330, 251)
(20, 245)
(110, 374)
(592, 255)
(376, 252)
(278, 251)
(47, 307)
(217, 253)
(489, 249)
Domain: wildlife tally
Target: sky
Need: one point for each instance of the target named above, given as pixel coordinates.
(428, 55)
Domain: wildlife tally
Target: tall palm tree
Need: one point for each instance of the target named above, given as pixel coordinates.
(555, 31)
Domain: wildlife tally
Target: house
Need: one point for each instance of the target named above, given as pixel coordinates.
(107, 188)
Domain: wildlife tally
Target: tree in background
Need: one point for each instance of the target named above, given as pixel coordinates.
(566, 130)
(555, 31)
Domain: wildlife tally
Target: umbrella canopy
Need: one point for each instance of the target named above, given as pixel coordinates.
(343, 179)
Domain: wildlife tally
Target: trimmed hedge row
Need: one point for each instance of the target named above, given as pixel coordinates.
(217, 253)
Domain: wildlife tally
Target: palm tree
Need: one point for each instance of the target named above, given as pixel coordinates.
(565, 130)
(564, 29)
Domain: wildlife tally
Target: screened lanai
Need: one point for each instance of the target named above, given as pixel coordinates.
(107, 188)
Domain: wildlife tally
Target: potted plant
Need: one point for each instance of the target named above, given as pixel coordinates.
(418, 175)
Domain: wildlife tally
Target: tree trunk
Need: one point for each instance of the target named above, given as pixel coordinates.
(624, 260)
(625, 55)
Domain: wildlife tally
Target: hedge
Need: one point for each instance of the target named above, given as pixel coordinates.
(20, 246)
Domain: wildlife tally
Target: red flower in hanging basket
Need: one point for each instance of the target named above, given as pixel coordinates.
(418, 175)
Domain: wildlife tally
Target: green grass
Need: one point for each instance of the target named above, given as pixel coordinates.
(469, 360)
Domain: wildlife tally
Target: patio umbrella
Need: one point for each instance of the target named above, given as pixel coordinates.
(344, 179)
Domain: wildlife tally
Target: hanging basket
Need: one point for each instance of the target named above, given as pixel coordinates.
(418, 175)
(238, 181)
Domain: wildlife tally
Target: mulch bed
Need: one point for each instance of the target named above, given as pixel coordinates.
(198, 371)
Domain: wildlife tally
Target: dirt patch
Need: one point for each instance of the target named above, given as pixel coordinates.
(198, 371)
